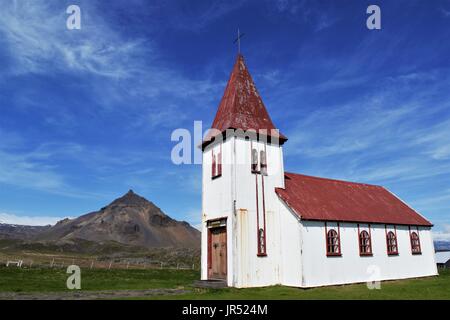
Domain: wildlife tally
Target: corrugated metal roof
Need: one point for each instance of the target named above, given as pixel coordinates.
(442, 257)
(314, 198)
(241, 106)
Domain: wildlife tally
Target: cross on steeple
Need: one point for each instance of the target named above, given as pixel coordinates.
(238, 40)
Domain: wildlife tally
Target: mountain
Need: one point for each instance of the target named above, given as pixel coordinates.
(130, 220)
(15, 231)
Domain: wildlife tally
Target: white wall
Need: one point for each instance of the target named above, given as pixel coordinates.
(320, 270)
(291, 247)
(217, 202)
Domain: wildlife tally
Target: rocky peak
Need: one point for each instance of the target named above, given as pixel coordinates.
(131, 199)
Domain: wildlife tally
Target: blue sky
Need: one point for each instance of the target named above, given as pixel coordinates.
(87, 114)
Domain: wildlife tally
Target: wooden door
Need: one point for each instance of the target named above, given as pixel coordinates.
(217, 268)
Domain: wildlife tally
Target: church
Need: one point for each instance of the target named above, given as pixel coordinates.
(262, 225)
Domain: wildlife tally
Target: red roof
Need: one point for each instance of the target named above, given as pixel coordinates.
(313, 198)
(241, 106)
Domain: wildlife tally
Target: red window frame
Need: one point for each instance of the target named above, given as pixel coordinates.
(333, 248)
(254, 159)
(415, 241)
(263, 160)
(216, 164)
(391, 242)
(365, 242)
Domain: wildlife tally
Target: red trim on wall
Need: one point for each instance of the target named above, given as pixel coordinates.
(257, 216)
(264, 219)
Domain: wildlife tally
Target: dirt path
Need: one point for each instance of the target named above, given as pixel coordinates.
(89, 295)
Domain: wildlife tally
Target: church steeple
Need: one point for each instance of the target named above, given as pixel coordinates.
(241, 106)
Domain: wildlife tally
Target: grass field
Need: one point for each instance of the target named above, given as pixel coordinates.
(41, 281)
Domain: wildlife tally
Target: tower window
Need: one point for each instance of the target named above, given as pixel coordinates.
(216, 164)
(255, 161)
(219, 163)
(263, 162)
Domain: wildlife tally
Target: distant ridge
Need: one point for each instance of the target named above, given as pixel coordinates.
(131, 220)
(21, 232)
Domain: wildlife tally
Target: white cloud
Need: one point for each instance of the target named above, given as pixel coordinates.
(36, 35)
(443, 235)
(28, 220)
(20, 170)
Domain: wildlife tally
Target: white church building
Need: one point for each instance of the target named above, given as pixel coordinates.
(264, 226)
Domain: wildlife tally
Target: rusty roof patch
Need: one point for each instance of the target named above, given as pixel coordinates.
(241, 106)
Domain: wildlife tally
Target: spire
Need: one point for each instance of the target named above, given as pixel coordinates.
(241, 106)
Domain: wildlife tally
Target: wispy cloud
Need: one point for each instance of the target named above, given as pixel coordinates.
(445, 12)
(36, 32)
(39, 42)
(380, 136)
(21, 170)
(27, 220)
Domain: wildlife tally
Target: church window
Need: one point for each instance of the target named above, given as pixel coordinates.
(219, 163)
(415, 243)
(216, 164)
(254, 161)
(333, 243)
(263, 162)
(365, 245)
(391, 240)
